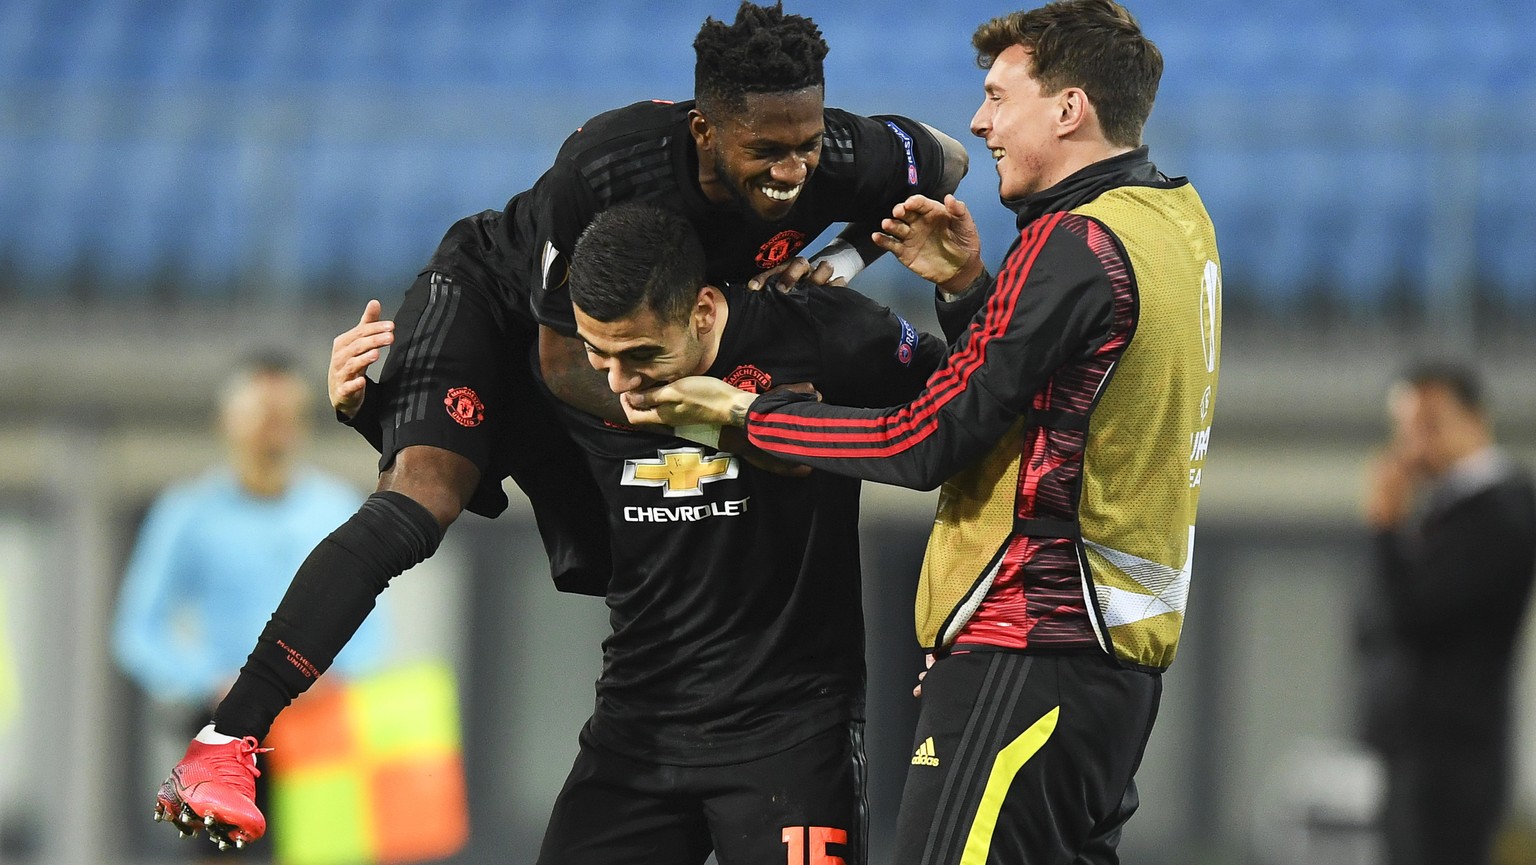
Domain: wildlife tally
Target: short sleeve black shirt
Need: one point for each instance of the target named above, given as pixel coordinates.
(735, 599)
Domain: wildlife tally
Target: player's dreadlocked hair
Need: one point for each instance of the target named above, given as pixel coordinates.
(636, 255)
(764, 51)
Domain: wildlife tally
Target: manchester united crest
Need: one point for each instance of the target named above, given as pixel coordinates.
(750, 379)
(464, 406)
(778, 248)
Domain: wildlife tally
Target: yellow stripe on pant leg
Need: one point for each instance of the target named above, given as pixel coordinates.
(1008, 763)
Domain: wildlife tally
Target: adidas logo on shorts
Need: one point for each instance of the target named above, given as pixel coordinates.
(926, 754)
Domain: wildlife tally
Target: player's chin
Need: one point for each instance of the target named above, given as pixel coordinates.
(769, 210)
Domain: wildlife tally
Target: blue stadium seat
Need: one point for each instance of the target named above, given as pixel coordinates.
(217, 216)
(144, 195)
(67, 42)
(232, 42)
(1281, 208)
(494, 45)
(1223, 179)
(1384, 233)
(244, 137)
(1328, 44)
(21, 28)
(419, 193)
(59, 181)
(318, 43)
(329, 192)
(423, 42)
(377, 248)
(143, 46)
(1506, 228)
(282, 47)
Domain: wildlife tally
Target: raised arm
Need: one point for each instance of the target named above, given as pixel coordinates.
(1035, 318)
(856, 247)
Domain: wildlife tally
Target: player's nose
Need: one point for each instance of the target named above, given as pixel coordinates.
(791, 171)
(981, 122)
(620, 380)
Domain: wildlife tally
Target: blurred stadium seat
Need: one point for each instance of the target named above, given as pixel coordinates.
(329, 140)
(1507, 227)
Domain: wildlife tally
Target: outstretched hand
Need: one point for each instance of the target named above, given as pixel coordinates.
(352, 353)
(936, 240)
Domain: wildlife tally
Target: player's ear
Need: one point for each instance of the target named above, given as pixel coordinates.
(701, 130)
(1074, 110)
(706, 308)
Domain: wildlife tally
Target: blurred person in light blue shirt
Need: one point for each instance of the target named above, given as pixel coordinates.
(215, 554)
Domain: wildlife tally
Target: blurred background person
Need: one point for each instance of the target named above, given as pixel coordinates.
(238, 532)
(1454, 524)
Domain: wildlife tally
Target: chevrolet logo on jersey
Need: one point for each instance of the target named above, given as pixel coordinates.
(679, 471)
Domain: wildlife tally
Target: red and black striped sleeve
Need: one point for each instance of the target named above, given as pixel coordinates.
(1052, 301)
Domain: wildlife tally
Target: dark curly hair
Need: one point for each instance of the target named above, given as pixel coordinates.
(764, 51)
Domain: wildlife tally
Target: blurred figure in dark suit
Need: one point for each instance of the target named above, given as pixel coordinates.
(1454, 531)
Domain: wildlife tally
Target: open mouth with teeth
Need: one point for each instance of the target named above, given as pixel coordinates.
(998, 153)
(783, 195)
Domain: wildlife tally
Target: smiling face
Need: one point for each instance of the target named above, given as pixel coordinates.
(640, 350)
(1022, 125)
(762, 155)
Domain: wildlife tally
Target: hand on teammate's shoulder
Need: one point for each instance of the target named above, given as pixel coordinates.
(794, 274)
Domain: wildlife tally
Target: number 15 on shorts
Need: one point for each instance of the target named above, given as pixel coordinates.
(812, 840)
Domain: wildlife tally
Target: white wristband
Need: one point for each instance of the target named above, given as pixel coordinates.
(706, 434)
(845, 260)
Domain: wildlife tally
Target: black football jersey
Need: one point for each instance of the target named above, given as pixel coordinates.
(735, 597)
(643, 152)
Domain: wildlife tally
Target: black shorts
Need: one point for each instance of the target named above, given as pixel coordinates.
(1024, 758)
(802, 806)
(462, 377)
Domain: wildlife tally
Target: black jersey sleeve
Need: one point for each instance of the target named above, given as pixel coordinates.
(926, 151)
(563, 204)
(888, 158)
(1053, 300)
(870, 356)
(369, 420)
